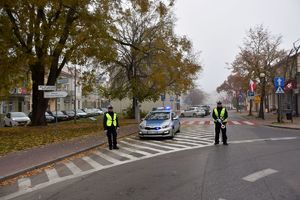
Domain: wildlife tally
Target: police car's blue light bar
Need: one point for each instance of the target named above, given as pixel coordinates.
(168, 107)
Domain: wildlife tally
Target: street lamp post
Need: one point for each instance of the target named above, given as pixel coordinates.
(263, 90)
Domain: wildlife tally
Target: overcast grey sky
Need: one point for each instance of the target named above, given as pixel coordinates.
(217, 28)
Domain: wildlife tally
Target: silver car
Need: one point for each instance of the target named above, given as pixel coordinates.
(159, 123)
(193, 112)
(16, 119)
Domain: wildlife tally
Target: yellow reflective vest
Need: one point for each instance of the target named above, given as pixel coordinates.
(110, 121)
(221, 114)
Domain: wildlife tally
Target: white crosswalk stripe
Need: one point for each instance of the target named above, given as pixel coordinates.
(248, 123)
(24, 183)
(169, 144)
(72, 167)
(52, 174)
(93, 163)
(236, 122)
(152, 144)
(141, 146)
(124, 155)
(106, 157)
(135, 150)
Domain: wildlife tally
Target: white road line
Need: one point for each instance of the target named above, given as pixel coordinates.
(136, 150)
(192, 142)
(264, 139)
(107, 157)
(141, 146)
(248, 123)
(194, 139)
(150, 143)
(260, 174)
(52, 174)
(125, 155)
(93, 163)
(24, 183)
(236, 122)
(73, 168)
(169, 144)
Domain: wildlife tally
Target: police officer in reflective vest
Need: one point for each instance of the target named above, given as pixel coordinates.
(220, 116)
(111, 127)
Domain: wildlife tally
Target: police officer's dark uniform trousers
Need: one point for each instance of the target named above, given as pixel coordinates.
(220, 113)
(111, 124)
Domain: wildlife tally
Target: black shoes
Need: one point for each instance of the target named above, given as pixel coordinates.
(225, 143)
(110, 148)
(216, 143)
(116, 147)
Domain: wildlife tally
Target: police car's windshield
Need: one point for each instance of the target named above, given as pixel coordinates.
(158, 116)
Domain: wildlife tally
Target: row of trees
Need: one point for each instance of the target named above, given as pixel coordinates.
(255, 60)
(133, 41)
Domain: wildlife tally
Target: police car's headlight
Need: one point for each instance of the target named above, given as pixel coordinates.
(165, 125)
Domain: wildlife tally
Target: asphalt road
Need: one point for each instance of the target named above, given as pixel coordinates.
(259, 163)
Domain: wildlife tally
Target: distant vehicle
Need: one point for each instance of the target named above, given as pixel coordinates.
(71, 114)
(16, 119)
(193, 112)
(160, 123)
(48, 117)
(60, 116)
(93, 111)
(98, 111)
(81, 113)
(207, 109)
(104, 110)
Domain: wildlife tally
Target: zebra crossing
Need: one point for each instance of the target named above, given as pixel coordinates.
(131, 149)
(186, 122)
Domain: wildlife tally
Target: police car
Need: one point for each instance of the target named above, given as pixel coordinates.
(161, 122)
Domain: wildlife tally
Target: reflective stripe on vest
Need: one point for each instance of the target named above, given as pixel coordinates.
(221, 114)
(111, 121)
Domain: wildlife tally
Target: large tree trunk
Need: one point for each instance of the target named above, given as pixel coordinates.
(262, 98)
(250, 109)
(39, 103)
(136, 109)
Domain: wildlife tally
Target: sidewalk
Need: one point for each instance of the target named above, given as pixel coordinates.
(17, 163)
(271, 120)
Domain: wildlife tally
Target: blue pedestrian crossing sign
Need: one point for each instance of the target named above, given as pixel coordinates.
(279, 85)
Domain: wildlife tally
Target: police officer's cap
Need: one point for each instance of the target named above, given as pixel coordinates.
(219, 102)
(110, 107)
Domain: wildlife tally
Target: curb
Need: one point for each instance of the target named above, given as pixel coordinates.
(283, 127)
(20, 172)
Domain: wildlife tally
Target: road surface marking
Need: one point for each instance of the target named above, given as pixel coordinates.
(264, 139)
(141, 146)
(135, 150)
(93, 163)
(260, 174)
(24, 183)
(248, 123)
(125, 155)
(73, 168)
(168, 144)
(152, 144)
(107, 157)
(236, 122)
(52, 174)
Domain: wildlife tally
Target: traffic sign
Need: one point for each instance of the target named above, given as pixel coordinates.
(62, 81)
(250, 94)
(163, 97)
(55, 94)
(279, 91)
(47, 87)
(279, 82)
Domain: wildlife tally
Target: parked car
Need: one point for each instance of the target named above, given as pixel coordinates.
(81, 113)
(206, 108)
(71, 114)
(48, 117)
(104, 110)
(16, 119)
(193, 112)
(60, 116)
(98, 111)
(159, 123)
